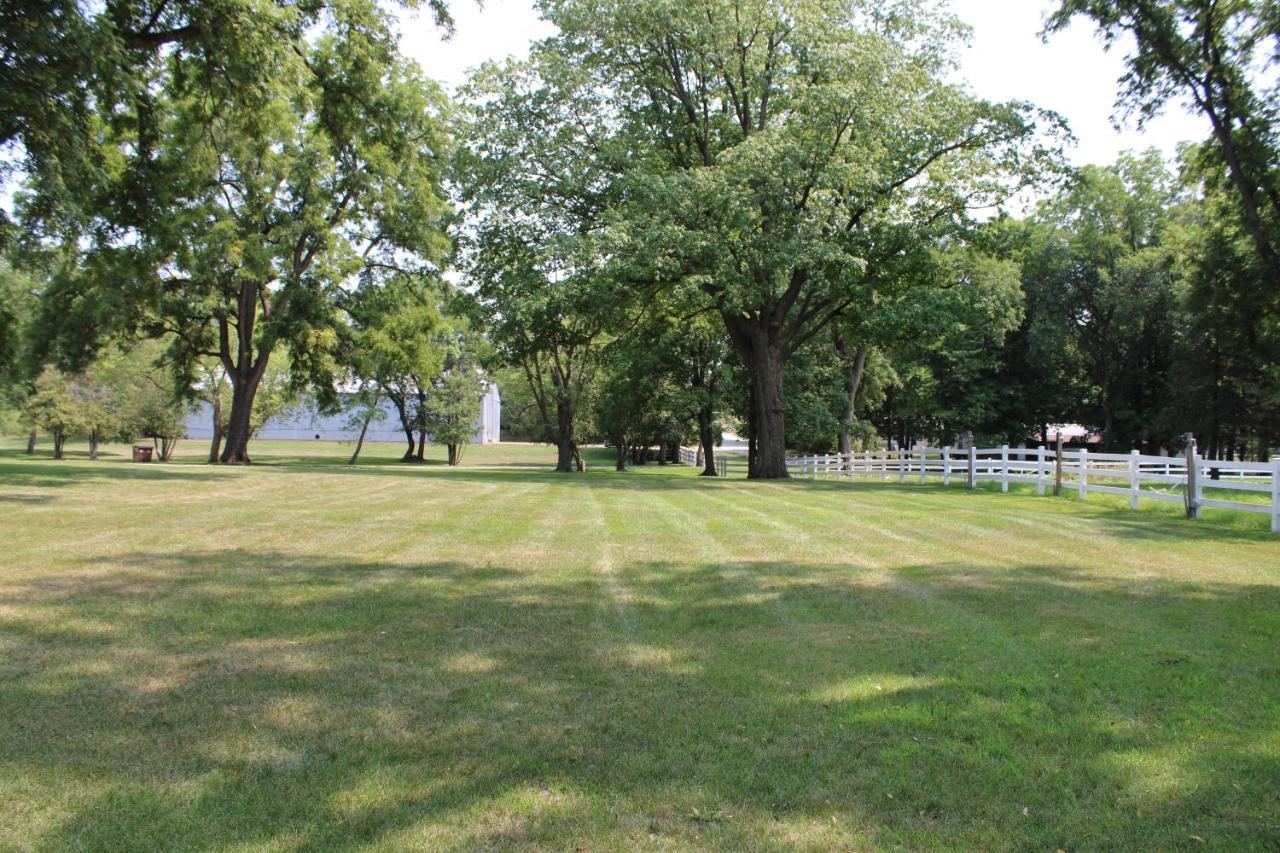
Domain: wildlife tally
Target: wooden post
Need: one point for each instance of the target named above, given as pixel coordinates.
(1082, 483)
(1040, 470)
(922, 465)
(1133, 480)
(902, 466)
(946, 466)
(973, 467)
(1004, 468)
(1193, 480)
(1057, 467)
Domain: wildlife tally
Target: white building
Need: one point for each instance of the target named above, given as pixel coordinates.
(305, 424)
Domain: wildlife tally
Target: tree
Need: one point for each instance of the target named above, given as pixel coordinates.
(1109, 293)
(139, 393)
(56, 406)
(788, 158)
(452, 407)
(1224, 381)
(276, 395)
(72, 70)
(537, 178)
(1208, 52)
(255, 178)
(392, 349)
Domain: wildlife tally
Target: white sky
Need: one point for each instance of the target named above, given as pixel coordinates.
(1071, 74)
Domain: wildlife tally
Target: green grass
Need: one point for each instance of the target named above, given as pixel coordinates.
(297, 655)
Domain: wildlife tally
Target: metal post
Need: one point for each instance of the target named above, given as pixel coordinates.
(1040, 470)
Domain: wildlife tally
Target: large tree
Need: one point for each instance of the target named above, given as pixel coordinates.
(788, 159)
(256, 179)
(1107, 292)
(1214, 54)
(539, 177)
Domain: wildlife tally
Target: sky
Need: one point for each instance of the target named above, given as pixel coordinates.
(1006, 59)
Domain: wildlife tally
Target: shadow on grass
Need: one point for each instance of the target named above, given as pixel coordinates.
(249, 697)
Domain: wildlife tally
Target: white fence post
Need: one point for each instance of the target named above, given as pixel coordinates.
(946, 466)
(1275, 495)
(1082, 483)
(902, 466)
(1004, 467)
(922, 465)
(1040, 470)
(973, 467)
(1133, 480)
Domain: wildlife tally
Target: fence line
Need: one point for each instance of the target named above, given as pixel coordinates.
(1123, 474)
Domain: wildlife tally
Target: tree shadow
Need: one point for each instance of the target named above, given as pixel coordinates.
(255, 697)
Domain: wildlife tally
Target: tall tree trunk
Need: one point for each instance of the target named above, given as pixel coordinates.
(244, 386)
(59, 439)
(245, 366)
(662, 453)
(762, 349)
(31, 441)
(422, 446)
(706, 443)
(566, 445)
(93, 444)
(621, 445)
(769, 425)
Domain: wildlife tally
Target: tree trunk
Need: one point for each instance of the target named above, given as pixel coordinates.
(167, 445)
(760, 344)
(853, 383)
(621, 463)
(31, 441)
(402, 410)
(243, 389)
(364, 430)
(566, 446)
(453, 454)
(769, 422)
(59, 438)
(93, 444)
(579, 464)
(216, 444)
(662, 453)
(706, 443)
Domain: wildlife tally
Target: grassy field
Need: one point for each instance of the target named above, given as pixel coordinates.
(298, 655)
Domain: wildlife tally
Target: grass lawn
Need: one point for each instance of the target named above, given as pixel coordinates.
(298, 655)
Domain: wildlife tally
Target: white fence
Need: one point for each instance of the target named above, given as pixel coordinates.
(1134, 475)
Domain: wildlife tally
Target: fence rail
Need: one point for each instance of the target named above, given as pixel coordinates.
(1134, 475)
